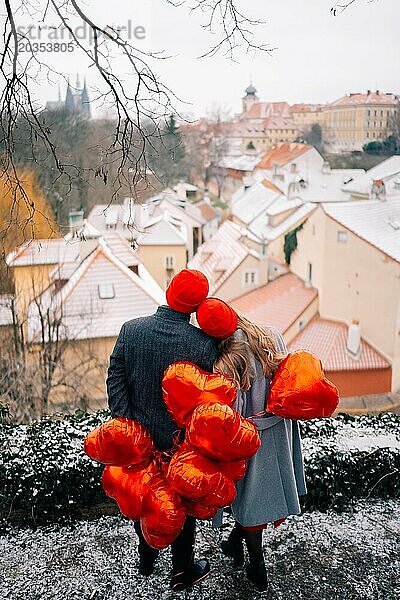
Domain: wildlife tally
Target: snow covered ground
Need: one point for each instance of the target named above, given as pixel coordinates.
(315, 556)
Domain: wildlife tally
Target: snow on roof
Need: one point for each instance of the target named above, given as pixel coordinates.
(264, 231)
(368, 98)
(387, 170)
(327, 186)
(220, 256)
(121, 248)
(254, 201)
(110, 216)
(43, 252)
(6, 316)
(161, 232)
(281, 154)
(375, 221)
(327, 340)
(278, 303)
(101, 295)
(244, 162)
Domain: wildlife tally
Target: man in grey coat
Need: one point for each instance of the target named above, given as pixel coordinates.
(144, 349)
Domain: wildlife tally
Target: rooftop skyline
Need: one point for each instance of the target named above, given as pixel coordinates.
(316, 57)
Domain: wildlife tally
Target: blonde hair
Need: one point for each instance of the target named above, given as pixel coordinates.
(235, 354)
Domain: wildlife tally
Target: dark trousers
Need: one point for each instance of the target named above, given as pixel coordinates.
(182, 548)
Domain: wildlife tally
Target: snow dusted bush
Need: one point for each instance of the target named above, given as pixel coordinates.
(45, 475)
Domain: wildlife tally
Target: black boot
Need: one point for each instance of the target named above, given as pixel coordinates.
(147, 554)
(256, 571)
(233, 546)
(185, 579)
(257, 574)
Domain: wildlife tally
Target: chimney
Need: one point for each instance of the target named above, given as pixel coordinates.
(326, 167)
(248, 181)
(354, 340)
(143, 215)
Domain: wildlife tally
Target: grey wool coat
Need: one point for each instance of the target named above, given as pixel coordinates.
(274, 478)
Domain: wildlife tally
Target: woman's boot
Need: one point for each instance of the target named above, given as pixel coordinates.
(233, 546)
(256, 571)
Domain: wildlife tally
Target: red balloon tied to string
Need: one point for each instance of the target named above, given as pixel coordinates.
(234, 470)
(185, 386)
(163, 513)
(120, 442)
(192, 475)
(300, 390)
(222, 434)
(127, 486)
(223, 496)
(199, 510)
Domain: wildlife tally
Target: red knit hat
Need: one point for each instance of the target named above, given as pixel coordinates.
(217, 318)
(186, 290)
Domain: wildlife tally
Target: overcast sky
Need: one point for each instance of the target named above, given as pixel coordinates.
(317, 57)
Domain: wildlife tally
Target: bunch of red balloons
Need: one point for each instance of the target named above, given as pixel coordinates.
(199, 478)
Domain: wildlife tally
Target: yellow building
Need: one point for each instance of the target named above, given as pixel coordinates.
(72, 298)
(305, 115)
(357, 119)
(349, 251)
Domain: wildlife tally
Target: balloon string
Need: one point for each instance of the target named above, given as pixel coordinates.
(163, 457)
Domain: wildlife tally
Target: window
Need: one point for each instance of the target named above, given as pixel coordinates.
(342, 237)
(169, 262)
(309, 275)
(313, 229)
(106, 291)
(250, 278)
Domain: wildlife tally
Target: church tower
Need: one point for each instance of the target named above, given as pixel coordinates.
(250, 98)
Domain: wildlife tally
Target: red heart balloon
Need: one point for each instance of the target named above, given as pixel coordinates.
(220, 433)
(119, 442)
(300, 390)
(163, 513)
(192, 475)
(185, 386)
(127, 485)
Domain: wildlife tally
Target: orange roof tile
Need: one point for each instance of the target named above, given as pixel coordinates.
(279, 123)
(295, 108)
(369, 98)
(327, 339)
(278, 303)
(281, 154)
(261, 110)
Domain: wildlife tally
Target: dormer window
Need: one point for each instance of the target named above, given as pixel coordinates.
(106, 291)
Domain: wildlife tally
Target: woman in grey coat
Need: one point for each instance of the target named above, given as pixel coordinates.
(274, 478)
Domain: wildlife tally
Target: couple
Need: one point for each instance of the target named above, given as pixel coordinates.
(249, 354)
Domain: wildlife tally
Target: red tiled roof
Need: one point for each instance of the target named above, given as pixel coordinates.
(278, 303)
(261, 110)
(369, 98)
(279, 123)
(281, 154)
(295, 108)
(327, 340)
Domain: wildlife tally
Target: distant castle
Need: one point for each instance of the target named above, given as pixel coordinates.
(76, 100)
